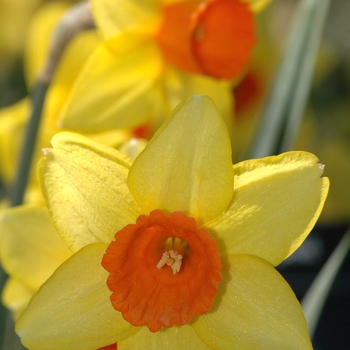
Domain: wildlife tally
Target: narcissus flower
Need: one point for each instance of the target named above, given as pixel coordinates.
(177, 248)
(155, 54)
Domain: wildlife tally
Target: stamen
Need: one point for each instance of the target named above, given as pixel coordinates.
(176, 244)
(172, 259)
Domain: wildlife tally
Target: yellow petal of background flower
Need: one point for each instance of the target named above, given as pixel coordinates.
(115, 91)
(112, 17)
(12, 124)
(180, 85)
(255, 309)
(30, 247)
(187, 164)
(13, 121)
(39, 37)
(14, 19)
(73, 58)
(276, 203)
(174, 338)
(16, 295)
(72, 310)
(84, 184)
(257, 5)
(68, 69)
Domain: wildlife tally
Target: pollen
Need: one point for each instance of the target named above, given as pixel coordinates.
(172, 259)
(143, 287)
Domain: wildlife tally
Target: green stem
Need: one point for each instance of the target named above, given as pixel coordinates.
(3, 311)
(28, 146)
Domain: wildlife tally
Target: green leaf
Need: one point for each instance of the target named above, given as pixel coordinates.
(285, 106)
(317, 294)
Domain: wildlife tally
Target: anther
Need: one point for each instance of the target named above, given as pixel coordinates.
(172, 259)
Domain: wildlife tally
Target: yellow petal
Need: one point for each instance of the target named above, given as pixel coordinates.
(12, 124)
(334, 150)
(112, 138)
(115, 91)
(39, 37)
(84, 184)
(16, 296)
(113, 17)
(68, 69)
(255, 309)
(257, 5)
(30, 247)
(14, 19)
(180, 85)
(72, 310)
(276, 203)
(187, 164)
(174, 338)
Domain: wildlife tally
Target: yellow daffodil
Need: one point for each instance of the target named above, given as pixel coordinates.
(156, 53)
(177, 248)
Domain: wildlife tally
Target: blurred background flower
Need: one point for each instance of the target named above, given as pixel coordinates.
(14, 118)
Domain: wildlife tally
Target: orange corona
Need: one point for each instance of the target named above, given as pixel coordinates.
(163, 270)
(213, 38)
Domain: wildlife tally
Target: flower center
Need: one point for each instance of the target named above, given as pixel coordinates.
(213, 37)
(172, 259)
(144, 289)
(173, 255)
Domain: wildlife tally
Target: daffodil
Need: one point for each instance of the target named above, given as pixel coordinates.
(174, 249)
(156, 53)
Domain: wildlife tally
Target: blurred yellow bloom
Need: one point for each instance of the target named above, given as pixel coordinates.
(14, 20)
(13, 119)
(227, 225)
(156, 53)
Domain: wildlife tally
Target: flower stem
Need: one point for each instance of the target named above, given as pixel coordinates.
(38, 98)
(3, 311)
